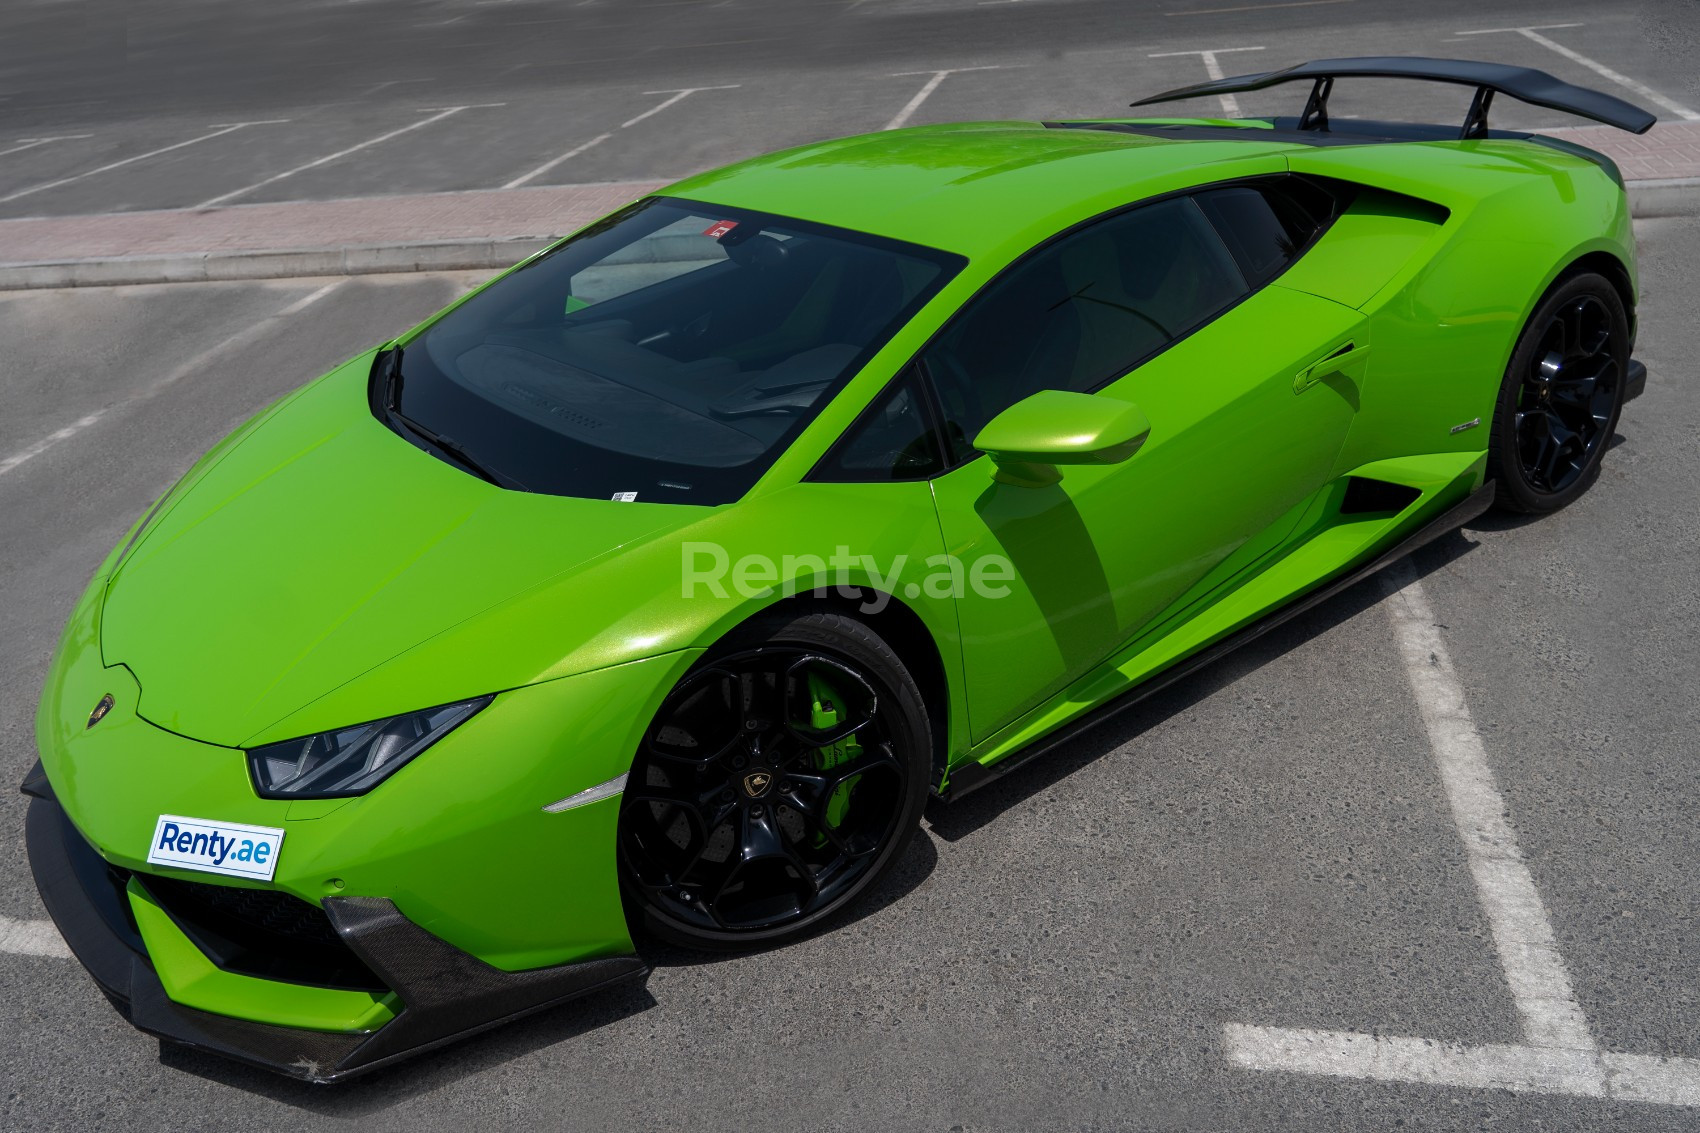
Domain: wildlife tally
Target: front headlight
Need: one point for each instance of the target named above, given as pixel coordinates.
(351, 761)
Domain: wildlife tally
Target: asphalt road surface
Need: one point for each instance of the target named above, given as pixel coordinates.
(108, 106)
(1273, 844)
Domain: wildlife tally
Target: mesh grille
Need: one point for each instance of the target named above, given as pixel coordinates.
(265, 909)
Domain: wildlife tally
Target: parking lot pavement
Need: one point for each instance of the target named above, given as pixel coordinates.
(1255, 905)
(478, 96)
(472, 165)
(1272, 847)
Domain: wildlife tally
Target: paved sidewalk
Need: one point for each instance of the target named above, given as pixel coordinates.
(496, 227)
(1670, 151)
(424, 232)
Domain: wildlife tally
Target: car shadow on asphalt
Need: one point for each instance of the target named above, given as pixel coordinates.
(953, 821)
(1500, 519)
(382, 1089)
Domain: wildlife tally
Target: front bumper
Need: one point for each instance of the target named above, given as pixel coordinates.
(443, 992)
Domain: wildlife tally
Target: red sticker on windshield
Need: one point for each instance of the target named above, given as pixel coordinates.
(720, 228)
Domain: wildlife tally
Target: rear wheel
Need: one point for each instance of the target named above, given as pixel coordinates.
(1561, 396)
(780, 778)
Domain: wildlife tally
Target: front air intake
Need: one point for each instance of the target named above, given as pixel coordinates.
(263, 933)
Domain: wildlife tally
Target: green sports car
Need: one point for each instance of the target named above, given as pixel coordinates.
(652, 589)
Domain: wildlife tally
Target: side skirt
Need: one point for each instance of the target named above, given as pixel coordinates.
(973, 776)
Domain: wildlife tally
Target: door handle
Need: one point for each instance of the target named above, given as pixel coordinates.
(1348, 355)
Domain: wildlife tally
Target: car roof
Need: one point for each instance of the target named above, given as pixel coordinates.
(960, 187)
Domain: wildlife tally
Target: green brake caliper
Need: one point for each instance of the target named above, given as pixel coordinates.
(824, 715)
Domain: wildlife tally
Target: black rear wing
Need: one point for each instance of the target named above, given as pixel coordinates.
(1522, 83)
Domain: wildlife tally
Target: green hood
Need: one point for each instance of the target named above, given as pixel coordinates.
(321, 546)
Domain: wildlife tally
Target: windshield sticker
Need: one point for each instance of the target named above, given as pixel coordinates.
(624, 497)
(720, 228)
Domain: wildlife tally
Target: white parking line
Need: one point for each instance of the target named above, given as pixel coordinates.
(679, 95)
(31, 938)
(925, 92)
(1533, 34)
(1256, 7)
(442, 113)
(218, 132)
(194, 365)
(1230, 104)
(1558, 1054)
(1539, 984)
(31, 143)
(553, 162)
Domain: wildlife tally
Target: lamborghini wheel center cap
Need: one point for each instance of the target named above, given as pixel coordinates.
(757, 782)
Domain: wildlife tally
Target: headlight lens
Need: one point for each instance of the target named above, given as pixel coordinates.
(351, 761)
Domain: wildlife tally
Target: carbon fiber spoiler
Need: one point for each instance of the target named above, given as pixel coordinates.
(1522, 83)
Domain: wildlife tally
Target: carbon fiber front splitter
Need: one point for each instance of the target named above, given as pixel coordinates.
(446, 994)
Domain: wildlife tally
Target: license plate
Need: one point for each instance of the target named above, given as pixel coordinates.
(215, 847)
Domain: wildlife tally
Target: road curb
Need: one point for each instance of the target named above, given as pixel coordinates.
(1674, 197)
(1677, 196)
(282, 263)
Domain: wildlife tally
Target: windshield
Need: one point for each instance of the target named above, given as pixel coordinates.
(668, 353)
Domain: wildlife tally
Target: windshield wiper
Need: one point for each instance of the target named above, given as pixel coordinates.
(390, 398)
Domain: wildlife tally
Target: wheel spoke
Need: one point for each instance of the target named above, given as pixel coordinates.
(1552, 342)
(809, 797)
(1563, 440)
(702, 812)
(703, 721)
(1574, 391)
(764, 841)
(763, 848)
(761, 697)
(811, 794)
(1593, 328)
(705, 808)
(818, 786)
(1534, 433)
(1570, 319)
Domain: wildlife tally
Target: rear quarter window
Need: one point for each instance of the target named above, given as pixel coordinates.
(1266, 227)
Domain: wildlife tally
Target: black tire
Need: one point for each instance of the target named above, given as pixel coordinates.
(713, 856)
(1561, 396)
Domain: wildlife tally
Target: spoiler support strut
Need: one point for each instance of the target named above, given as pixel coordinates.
(1522, 83)
(1315, 116)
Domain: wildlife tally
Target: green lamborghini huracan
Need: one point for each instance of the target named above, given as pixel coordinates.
(650, 590)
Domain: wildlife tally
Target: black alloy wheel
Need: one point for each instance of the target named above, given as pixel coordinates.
(1562, 394)
(779, 779)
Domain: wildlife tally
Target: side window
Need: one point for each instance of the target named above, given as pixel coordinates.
(894, 440)
(1266, 227)
(1081, 312)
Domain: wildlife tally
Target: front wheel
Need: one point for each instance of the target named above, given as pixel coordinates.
(1561, 396)
(778, 781)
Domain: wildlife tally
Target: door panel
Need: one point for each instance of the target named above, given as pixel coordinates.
(1242, 429)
